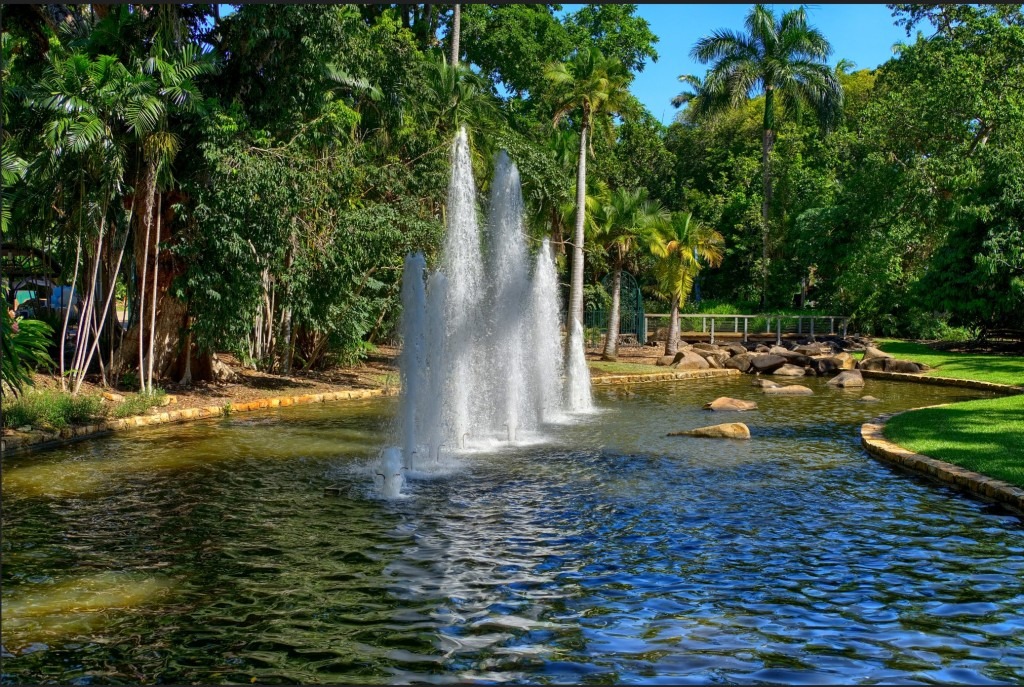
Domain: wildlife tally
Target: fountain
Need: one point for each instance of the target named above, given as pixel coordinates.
(481, 361)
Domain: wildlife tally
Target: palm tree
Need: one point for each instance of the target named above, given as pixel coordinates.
(626, 220)
(682, 248)
(785, 60)
(595, 87)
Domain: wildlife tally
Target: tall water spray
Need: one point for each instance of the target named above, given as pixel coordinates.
(412, 363)
(546, 345)
(482, 352)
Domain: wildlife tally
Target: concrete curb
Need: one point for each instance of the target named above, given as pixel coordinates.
(943, 381)
(988, 488)
(45, 440)
(648, 377)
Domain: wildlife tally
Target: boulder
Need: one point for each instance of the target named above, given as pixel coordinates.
(869, 399)
(824, 367)
(739, 362)
(873, 364)
(766, 383)
(779, 350)
(847, 379)
(734, 349)
(729, 430)
(665, 360)
(761, 348)
(872, 352)
(788, 390)
(844, 360)
(701, 346)
(110, 396)
(810, 349)
(688, 360)
(726, 403)
(767, 363)
(894, 365)
(788, 370)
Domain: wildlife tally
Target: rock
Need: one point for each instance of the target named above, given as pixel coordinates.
(221, 372)
(788, 370)
(761, 348)
(766, 383)
(726, 403)
(713, 362)
(788, 390)
(874, 364)
(779, 350)
(869, 399)
(729, 430)
(24, 428)
(824, 367)
(767, 363)
(168, 400)
(715, 358)
(847, 379)
(844, 360)
(906, 366)
(688, 360)
(111, 396)
(734, 349)
(872, 352)
(701, 346)
(665, 360)
(809, 349)
(739, 362)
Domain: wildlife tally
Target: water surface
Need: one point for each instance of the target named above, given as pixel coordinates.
(208, 553)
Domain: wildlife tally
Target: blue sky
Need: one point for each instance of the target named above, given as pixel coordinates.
(861, 33)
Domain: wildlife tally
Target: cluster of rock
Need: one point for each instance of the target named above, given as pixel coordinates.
(790, 359)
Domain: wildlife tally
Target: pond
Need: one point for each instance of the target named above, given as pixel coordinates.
(209, 553)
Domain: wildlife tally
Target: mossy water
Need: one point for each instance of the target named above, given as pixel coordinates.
(208, 553)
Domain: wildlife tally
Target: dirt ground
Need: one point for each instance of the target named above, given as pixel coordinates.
(376, 372)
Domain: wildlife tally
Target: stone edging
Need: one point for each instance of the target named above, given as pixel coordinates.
(613, 380)
(42, 440)
(943, 381)
(988, 488)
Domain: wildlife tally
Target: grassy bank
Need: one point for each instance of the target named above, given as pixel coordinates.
(51, 409)
(1000, 369)
(986, 436)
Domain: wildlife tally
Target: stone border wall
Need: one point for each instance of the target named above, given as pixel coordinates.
(43, 439)
(943, 381)
(988, 488)
(647, 377)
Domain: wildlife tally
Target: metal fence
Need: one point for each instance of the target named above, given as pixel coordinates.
(745, 326)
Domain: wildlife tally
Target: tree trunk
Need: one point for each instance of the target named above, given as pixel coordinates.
(767, 141)
(156, 275)
(672, 345)
(575, 311)
(456, 21)
(611, 341)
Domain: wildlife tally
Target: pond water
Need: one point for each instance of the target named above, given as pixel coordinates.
(209, 553)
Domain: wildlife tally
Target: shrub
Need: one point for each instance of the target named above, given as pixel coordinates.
(51, 410)
(139, 403)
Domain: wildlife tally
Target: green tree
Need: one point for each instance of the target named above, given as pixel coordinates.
(782, 58)
(683, 247)
(616, 31)
(591, 87)
(624, 223)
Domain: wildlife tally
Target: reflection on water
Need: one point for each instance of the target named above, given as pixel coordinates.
(208, 553)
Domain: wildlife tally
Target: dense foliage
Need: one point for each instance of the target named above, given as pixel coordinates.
(252, 181)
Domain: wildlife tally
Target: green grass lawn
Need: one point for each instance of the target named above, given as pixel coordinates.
(986, 436)
(604, 367)
(1001, 369)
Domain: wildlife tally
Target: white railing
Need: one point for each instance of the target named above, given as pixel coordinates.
(808, 325)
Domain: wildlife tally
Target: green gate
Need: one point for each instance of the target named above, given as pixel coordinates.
(631, 310)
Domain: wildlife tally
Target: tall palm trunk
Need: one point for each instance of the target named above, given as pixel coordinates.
(611, 341)
(767, 141)
(152, 312)
(456, 27)
(575, 311)
(672, 345)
